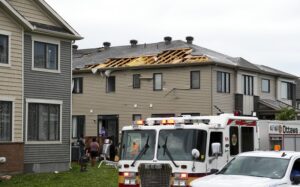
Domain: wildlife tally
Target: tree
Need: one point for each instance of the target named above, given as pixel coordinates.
(286, 114)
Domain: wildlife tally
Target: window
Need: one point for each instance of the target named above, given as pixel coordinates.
(287, 90)
(136, 82)
(136, 117)
(248, 85)
(265, 85)
(43, 122)
(77, 85)
(45, 56)
(195, 79)
(4, 53)
(77, 126)
(223, 82)
(234, 140)
(162, 115)
(5, 121)
(158, 80)
(215, 137)
(247, 137)
(110, 84)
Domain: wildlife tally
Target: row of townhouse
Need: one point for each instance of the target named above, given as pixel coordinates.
(35, 87)
(113, 86)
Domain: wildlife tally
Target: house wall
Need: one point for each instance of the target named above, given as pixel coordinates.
(176, 97)
(51, 86)
(32, 12)
(225, 101)
(11, 89)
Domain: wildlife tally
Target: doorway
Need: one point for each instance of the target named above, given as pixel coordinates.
(108, 126)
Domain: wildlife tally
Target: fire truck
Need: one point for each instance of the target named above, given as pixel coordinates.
(164, 152)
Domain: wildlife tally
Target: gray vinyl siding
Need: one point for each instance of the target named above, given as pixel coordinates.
(176, 96)
(50, 86)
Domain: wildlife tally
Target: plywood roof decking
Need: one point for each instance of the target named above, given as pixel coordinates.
(173, 56)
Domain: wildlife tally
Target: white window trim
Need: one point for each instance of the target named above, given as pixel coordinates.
(10, 99)
(7, 33)
(44, 101)
(49, 41)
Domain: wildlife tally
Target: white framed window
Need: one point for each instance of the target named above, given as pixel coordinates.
(265, 85)
(45, 54)
(157, 82)
(286, 90)
(43, 121)
(248, 85)
(77, 85)
(6, 119)
(5, 48)
(78, 126)
(223, 82)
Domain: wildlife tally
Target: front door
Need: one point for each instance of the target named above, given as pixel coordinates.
(108, 126)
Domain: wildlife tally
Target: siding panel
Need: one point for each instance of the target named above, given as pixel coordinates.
(176, 97)
(52, 86)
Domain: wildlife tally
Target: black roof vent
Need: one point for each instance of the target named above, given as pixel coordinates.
(168, 40)
(106, 45)
(189, 39)
(75, 47)
(133, 43)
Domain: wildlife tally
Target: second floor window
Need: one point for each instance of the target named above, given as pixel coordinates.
(223, 82)
(195, 79)
(157, 81)
(3, 49)
(110, 84)
(286, 90)
(5, 121)
(136, 82)
(265, 85)
(248, 85)
(45, 56)
(77, 85)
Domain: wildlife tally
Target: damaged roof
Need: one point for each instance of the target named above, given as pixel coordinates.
(176, 52)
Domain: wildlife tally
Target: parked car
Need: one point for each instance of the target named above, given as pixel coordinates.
(256, 169)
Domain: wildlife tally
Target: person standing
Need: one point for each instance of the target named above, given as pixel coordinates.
(81, 143)
(94, 151)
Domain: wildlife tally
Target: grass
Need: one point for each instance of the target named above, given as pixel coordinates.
(104, 177)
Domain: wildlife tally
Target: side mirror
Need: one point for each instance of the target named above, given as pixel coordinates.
(213, 171)
(216, 148)
(296, 179)
(195, 153)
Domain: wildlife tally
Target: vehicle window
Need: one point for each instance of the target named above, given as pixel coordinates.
(295, 170)
(273, 168)
(234, 140)
(133, 143)
(180, 143)
(215, 137)
(247, 136)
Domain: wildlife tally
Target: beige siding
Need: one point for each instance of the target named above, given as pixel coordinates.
(272, 94)
(11, 77)
(32, 12)
(176, 96)
(225, 101)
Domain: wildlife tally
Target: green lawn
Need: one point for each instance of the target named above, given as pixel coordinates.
(103, 177)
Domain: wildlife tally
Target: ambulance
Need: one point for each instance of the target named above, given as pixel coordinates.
(164, 152)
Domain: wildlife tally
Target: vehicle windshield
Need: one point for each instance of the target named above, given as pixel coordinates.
(180, 143)
(133, 143)
(273, 168)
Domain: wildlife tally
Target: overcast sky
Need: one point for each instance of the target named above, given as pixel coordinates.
(261, 31)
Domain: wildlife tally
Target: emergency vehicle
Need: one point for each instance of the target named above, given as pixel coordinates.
(174, 151)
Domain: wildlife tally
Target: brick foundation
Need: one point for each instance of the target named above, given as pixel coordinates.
(14, 153)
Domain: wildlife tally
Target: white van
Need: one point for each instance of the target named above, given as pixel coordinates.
(256, 169)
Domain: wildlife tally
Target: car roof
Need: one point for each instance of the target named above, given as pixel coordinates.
(271, 154)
